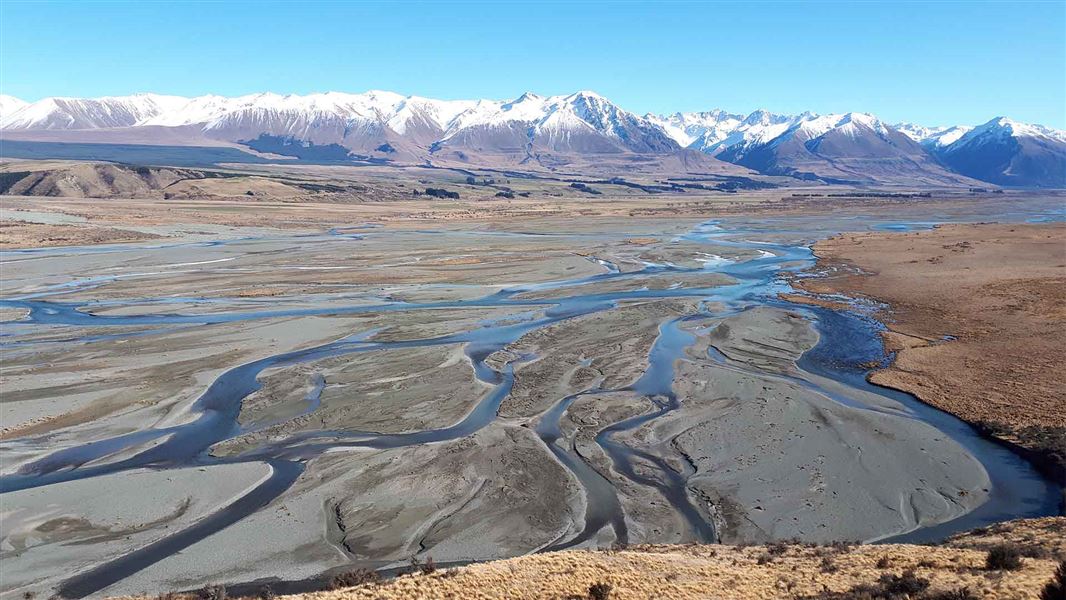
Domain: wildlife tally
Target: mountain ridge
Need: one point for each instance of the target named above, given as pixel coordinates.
(566, 129)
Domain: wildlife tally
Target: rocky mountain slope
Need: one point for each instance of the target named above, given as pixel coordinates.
(556, 131)
(1006, 152)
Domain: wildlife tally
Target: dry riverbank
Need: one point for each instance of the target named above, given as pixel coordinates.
(977, 314)
(958, 569)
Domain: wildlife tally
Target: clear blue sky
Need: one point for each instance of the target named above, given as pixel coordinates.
(932, 63)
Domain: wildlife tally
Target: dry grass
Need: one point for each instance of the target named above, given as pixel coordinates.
(726, 572)
(1034, 537)
(16, 234)
(957, 570)
(999, 291)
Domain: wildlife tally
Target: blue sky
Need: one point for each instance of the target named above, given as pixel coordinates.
(931, 63)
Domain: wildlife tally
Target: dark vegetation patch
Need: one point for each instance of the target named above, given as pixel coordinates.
(1004, 557)
(174, 156)
(290, 146)
(646, 188)
(358, 577)
(212, 592)
(438, 193)
(721, 183)
(10, 178)
(599, 591)
(1042, 445)
(329, 188)
(868, 195)
(887, 587)
(581, 187)
(1056, 588)
(959, 594)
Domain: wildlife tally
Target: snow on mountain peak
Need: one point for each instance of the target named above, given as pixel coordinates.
(9, 104)
(333, 116)
(998, 129)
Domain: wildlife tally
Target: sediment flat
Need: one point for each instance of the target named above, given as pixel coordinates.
(977, 316)
(458, 390)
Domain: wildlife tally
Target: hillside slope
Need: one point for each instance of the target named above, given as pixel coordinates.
(959, 569)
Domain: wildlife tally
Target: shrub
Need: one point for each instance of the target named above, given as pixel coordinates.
(441, 193)
(1056, 588)
(777, 548)
(428, 567)
(599, 591)
(1004, 557)
(354, 578)
(212, 592)
(828, 566)
(959, 594)
(884, 562)
(581, 187)
(1034, 552)
(905, 584)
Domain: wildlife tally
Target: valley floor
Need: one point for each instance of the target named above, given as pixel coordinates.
(977, 316)
(273, 391)
(957, 569)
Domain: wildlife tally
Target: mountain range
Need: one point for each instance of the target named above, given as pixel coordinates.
(557, 132)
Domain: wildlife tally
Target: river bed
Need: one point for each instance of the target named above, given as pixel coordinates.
(597, 391)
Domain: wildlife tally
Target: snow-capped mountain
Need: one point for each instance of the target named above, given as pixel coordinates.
(1007, 152)
(849, 147)
(932, 137)
(554, 130)
(90, 113)
(583, 122)
(686, 128)
(9, 104)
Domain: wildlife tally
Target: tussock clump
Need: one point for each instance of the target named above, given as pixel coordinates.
(906, 584)
(356, 578)
(1056, 588)
(777, 548)
(888, 587)
(599, 591)
(959, 594)
(212, 592)
(1004, 557)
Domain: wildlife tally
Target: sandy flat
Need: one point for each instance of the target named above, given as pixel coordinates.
(978, 316)
(57, 530)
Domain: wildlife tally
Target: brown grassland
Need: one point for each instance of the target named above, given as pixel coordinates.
(977, 316)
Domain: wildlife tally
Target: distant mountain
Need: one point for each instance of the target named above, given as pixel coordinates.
(9, 104)
(383, 124)
(689, 128)
(86, 113)
(582, 123)
(848, 147)
(567, 131)
(1006, 152)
